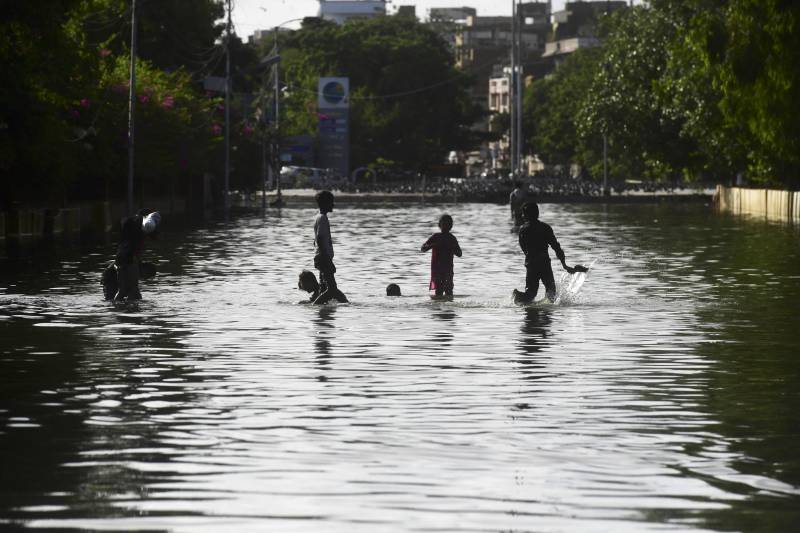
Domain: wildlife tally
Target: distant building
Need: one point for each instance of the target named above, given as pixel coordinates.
(407, 12)
(576, 27)
(499, 93)
(483, 44)
(259, 36)
(340, 11)
(446, 21)
(457, 15)
(483, 48)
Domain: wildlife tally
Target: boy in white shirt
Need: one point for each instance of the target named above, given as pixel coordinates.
(323, 251)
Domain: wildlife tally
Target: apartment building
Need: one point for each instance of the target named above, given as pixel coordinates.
(340, 11)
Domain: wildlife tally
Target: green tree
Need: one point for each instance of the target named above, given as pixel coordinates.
(698, 88)
(688, 95)
(622, 100)
(176, 128)
(171, 34)
(551, 106)
(752, 49)
(45, 67)
(64, 99)
(408, 102)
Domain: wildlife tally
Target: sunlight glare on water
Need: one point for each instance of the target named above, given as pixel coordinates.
(650, 396)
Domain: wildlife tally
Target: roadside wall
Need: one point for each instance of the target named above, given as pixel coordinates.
(767, 203)
(97, 218)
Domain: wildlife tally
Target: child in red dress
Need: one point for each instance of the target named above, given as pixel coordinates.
(444, 246)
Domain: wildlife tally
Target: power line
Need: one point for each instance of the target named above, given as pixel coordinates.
(456, 77)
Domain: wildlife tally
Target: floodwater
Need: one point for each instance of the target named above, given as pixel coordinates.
(663, 394)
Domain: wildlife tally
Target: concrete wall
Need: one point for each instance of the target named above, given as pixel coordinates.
(25, 224)
(767, 203)
(795, 207)
(780, 203)
(96, 218)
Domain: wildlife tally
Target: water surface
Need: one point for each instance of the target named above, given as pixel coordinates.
(663, 395)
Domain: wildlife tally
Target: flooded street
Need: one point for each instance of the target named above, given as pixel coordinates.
(663, 394)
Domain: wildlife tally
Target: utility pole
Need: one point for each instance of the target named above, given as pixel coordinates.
(277, 139)
(263, 161)
(512, 83)
(605, 163)
(520, 25)
(228, 112)
(131, 107)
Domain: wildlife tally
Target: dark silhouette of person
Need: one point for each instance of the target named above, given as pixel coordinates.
(444, 245)
(534, 238)
(307, 281)
(393, 289)
(516, 200)
(323, 251)
(134, 230)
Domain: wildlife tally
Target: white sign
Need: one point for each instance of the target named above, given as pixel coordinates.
(333, 93)
(214, 83)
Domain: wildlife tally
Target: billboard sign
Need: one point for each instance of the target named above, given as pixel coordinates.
(333, 114)
(334, 93)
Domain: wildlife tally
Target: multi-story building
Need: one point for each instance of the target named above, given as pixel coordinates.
(576, 27)
(451, 14)
(483, 47)
(499, 93)
(268, 35)
(499, 102)
(446, 21)
(340, 11)
(409, 12)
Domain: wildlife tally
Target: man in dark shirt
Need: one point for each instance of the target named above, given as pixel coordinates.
(129, 251)
(517, 199)
(534, 238)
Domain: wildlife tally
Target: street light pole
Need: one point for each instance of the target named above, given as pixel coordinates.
(605, 163)
(277, 140)
(520, 25)
(228, 111)
(512, 129)
(131, 107)
(263, 161)
(276, 163)
(606, 192)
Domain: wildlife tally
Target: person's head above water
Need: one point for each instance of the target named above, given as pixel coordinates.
(445, 223)
(325, 201)
(393, 289)
(531, 211)
(307, 281)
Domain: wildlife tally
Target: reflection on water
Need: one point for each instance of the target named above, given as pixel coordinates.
(665, 394)
(325, 330)
(532, 341)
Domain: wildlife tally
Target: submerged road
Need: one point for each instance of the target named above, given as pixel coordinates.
(664, 394)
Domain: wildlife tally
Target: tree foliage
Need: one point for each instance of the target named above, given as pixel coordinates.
(44, 68)
(683, 90)
(408, 103)
(752, 50)
(64, 98)
(551, 107)
(622, 101)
